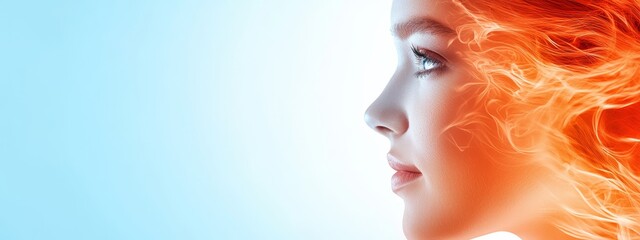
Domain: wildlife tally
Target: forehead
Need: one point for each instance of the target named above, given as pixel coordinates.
(442, 11)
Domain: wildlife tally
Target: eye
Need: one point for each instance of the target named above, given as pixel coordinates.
(427, 61)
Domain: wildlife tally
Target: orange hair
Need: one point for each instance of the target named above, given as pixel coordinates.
(561, 79)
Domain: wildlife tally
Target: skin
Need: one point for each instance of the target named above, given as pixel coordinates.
(461, 194)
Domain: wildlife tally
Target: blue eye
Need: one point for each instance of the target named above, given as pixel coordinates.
(429, 64)
(427, 61)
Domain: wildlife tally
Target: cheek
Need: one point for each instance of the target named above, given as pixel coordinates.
(436, 107)
(456, 169)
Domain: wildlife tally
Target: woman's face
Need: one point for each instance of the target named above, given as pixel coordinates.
(454, 189)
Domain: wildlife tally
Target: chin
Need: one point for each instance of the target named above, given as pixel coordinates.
(422, 224)
(416, 229)
(417, 225)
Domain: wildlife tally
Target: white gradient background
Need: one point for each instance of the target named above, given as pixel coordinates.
(194, 120)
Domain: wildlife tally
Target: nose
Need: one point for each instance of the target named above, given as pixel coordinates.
(386, 114)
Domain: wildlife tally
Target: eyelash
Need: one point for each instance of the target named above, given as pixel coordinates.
(425, 56)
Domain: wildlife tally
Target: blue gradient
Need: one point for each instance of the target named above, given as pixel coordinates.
(193, 120)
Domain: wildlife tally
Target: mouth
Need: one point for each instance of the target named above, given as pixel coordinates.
(405, 174)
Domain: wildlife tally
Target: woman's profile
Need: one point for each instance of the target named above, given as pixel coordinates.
(516, 115)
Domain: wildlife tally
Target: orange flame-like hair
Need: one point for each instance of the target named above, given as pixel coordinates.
(562, 80)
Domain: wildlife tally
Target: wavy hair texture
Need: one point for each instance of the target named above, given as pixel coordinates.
(561, 81)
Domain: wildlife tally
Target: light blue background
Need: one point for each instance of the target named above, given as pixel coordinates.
(193, 120)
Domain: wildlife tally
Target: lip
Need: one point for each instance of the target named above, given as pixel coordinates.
(405, 174)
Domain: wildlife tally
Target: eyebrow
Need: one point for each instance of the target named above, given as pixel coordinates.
(421, 24)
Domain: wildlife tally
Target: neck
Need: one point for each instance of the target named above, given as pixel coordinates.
(542, 228)
(544, 218)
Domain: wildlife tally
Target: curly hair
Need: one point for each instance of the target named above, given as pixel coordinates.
(561, 79)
